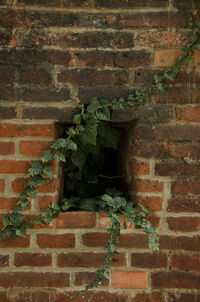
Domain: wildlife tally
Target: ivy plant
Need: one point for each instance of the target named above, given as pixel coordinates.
(84, 152)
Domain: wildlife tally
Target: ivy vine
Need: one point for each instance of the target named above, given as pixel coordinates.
(83, 151)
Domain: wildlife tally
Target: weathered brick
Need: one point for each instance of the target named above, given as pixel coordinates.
(34, 148)
(4, 260)
(177, 169)
(7, 148)
(40, 38)
(153, 203)
(14, 166)
(74, 220)
(98, 77)
(86, 259)
(190, 150)
(126, 279)
(1, 185)
(188, 114)
(150, 20)
(7, 74)
(180, 243)
(122, 59)
(184, 224)
(34, 76)
(139, 168)
(183, 262)
(183, 297)
(55, 3)
(186, 187)
(37, 295)
(146, 186)
(188, 205)
(19, 130)
(83, 278)
(8, 203)
(167, 57)
(34, 279)
(149, 260)
(61, 114)
(144, 297)
(7, 112)
(162, 39)
(186, 4)
(152, 150)
(173, 132)
(56, 241)
(92, 297)
(5, 38)
(130, 3)
(15, 243)
(175, 280)
(32, 259)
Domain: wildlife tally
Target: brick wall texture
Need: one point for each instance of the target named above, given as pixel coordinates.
(55, 54)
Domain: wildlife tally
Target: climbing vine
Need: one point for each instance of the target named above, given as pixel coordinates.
(84, 153)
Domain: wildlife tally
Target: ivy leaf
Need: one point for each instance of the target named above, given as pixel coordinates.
(65, 143)
(77, 119)
(197, 23)
(6, 221)
(59, 156)
(21, 232)
(90, 132)
(79, 157)
(109, 136)
(47, 156)
(31, 192)
(186, 50)
(36, 169)
(157, 78)
(48, 170)
(160, 86)
(187, 60)
(197, 47)
(16, 219)
(55, 206)
(170, 76)
(193, 37)
(94, 105)
(37, 180)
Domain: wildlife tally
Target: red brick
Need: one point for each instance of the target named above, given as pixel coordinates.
(56, 241)
(34, 76)
(96, 239)
(74, 220)
(152, 150)
(126, 279)
(32, 259)
(183, 297)
(44, 201)
(18, 130)
(122, 59)
(175, 280)
(153, 203)
(144, 297)
(14, 166)
(149, 260)
(87, 260)
(162, 39)
(98, 77)
(83, 278)
(150, 20)
(146, 186)
(177, 169)
(188, 114)
(139, 168)
(34, 279)
(4, 297)
(34, 148)
(15, 243)
(7, 148)
(1, 185)
(92, 297)
(24, 296)
(186, 187)
(50, 187)
(186, 150)
(173, 132)
(184, 224)
(183, 262)
(187, 205)
(180, 243)
(130, 4)
(4, 260)
(18, 184)
(8, 203)
(167, 57)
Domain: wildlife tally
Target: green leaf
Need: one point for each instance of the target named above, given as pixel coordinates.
(16, 219)
(109, 136)
(21, 232)
(77, 119)
(193, 37)
(187, 60)
(90, 132)
(197, 47)
(160, 86)
(36, 169)
(37, 180)
(55, 206)
(65, 143)
(186, 50)
(79, 157)
(6, 221)
(157, 78)
(31, 192)
(170, 76)
(59, 156)
(48, 170)
(47, 156)
(94, 105)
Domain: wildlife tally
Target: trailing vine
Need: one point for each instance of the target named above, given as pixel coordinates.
(83, 151)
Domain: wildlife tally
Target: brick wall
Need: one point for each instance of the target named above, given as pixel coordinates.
(55, 54)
